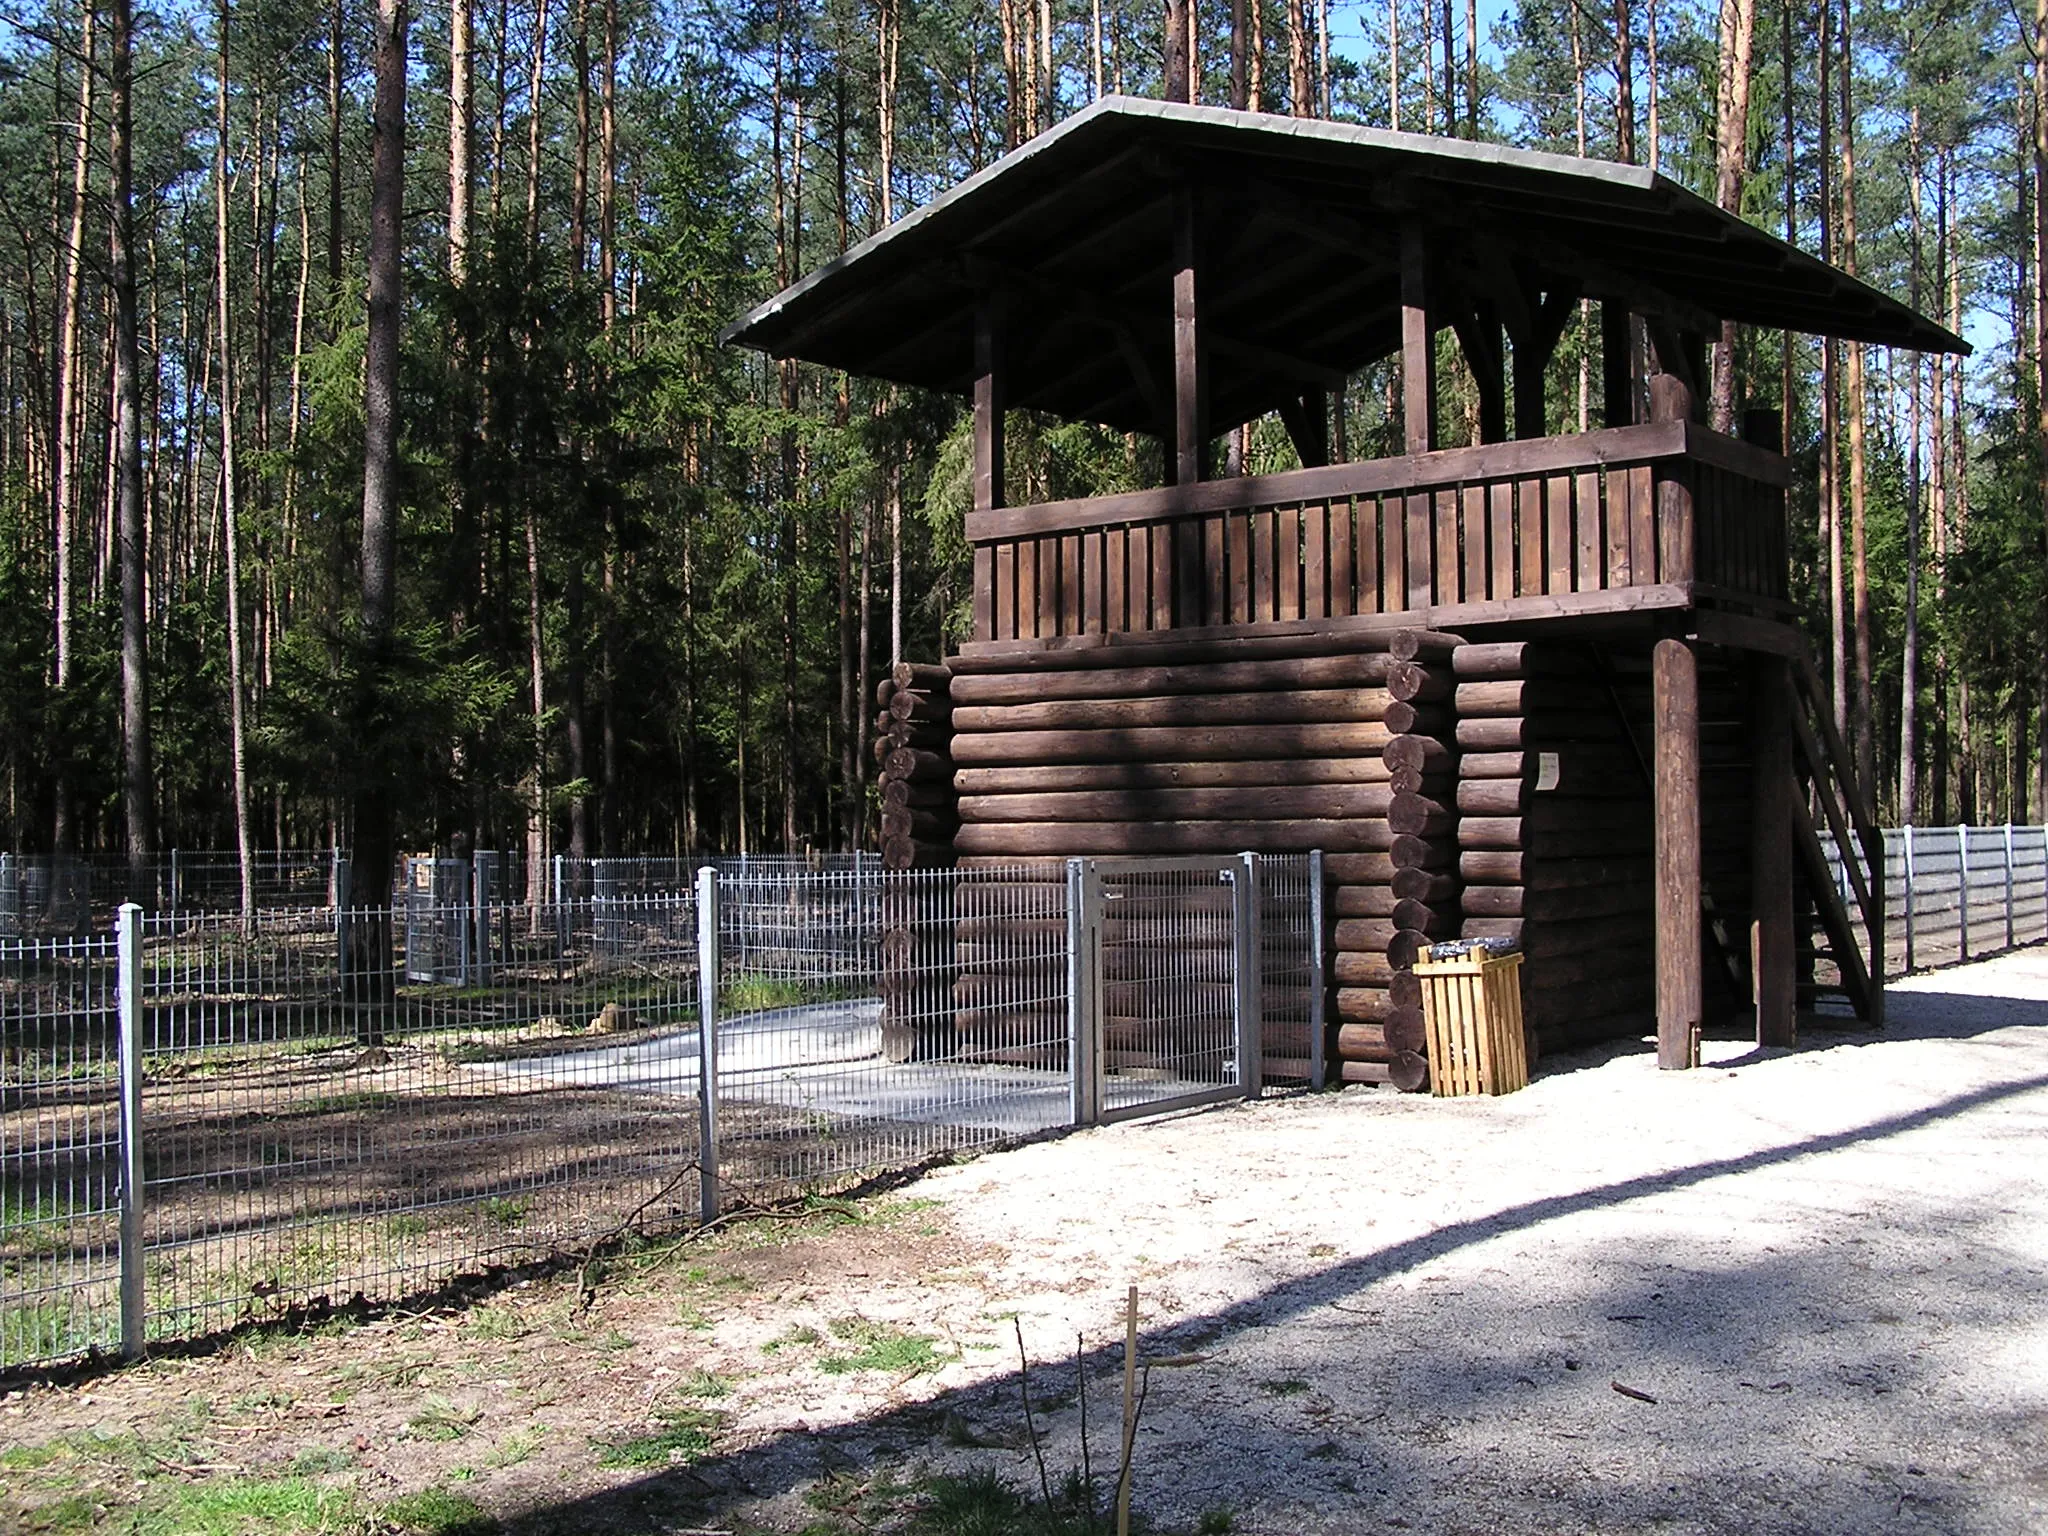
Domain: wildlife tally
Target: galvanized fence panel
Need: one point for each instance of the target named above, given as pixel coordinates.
(208, 1119)
(1179, 978)
(308, 1140)
(1292, 985)
(870, 1020)
(60, 1148)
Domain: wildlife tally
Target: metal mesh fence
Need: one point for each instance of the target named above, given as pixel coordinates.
(306, 1137)
(1172, 957)
(323, 1105)
(874, 1020)
(60, 1147)
(1292, 990)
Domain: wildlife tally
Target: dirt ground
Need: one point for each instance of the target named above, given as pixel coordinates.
(1794, 1291)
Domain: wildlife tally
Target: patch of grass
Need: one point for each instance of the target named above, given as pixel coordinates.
(441, 1420)
(345, 1103)
(507, 1210)
(680, 1436)
(707, 1386)
(321, 1461)
(498, 1324)
(45, 1330)
(973, 1504)
(24, 1458)
(281, 1506)
(515, 1447)
(615, 1340)
(1216, 1522)
(878, 1347)
(796, 1336)
(751, 992)
(73, 1512)
(437, 1512)
(406, 1226)
(1285, 1386)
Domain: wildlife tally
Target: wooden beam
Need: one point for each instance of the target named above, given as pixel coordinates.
(1675, 704)
(1773, 788)
(1533, 352)
(1617, 364)
(1479, 335)
(1275, 360)
(1418, 342)
(1190, 429)
(1308, 423)
(1448, 466)
(990, 377)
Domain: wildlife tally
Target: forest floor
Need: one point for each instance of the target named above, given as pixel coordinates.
(1794, 1291)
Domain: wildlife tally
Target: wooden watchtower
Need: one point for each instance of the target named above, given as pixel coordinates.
(1540, 686)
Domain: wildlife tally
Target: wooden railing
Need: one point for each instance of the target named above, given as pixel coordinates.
(1669, 505)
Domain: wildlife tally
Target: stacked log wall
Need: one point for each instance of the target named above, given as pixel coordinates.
(1391, 904)
(913, 738)
(1555, 832)
(1203, 749)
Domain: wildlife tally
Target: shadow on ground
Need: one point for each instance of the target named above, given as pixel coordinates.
(1470, 1378)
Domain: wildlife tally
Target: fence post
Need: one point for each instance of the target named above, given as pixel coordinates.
(707, 1043)
(2008, 886)
(1963, 887)
(1318, 1065)
(1250, 962)
(1084, 932)
(128, 952)
(1909, 898)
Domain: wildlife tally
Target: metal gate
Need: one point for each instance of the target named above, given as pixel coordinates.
(1163, 991)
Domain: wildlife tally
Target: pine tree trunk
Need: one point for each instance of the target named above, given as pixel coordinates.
(1240, 59)
(1863, 735)
(1624, 84)
(2040, 237)
(1174, 64)
(1731, 156)
(375, 823)
(334, 106)
(533, 126)
(231, 539)
(461, 131)
(1909, 663)
(137, 775)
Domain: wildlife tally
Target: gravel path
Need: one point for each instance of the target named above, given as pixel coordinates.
(1825, 1268)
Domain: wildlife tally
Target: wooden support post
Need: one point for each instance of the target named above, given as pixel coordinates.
(1308, 424)
(1418, 342)
(1617, 364)
(1772, 790)
(1190, 408)
(1675, 704)
(1694, 345)
(1479, 335)
(989, 404)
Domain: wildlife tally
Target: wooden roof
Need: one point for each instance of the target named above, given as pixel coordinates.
(1298, 225)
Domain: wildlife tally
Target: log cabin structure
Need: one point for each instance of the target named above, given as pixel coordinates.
(1543, 685)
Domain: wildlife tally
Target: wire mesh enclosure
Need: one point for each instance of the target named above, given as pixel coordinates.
(209, 1119)
(313, 1131)
(60, 1149)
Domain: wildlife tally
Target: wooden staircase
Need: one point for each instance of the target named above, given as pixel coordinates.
(1851, 939)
